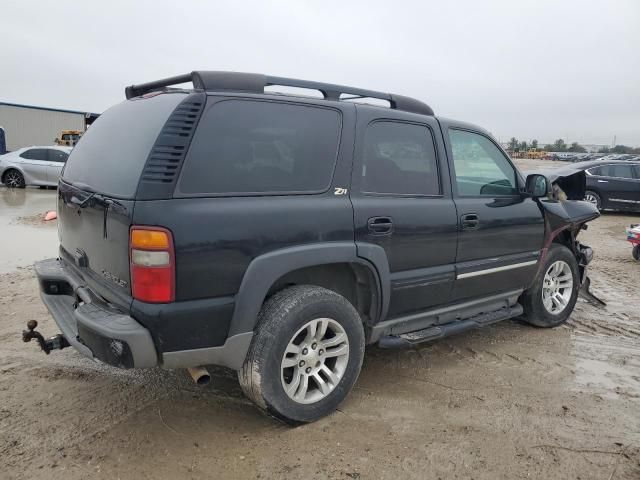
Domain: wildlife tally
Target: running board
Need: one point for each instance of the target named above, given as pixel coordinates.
(405, 340)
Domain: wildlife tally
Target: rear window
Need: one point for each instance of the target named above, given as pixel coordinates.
(399, 158)
(110, 156)
(256, 147)
(35, 154)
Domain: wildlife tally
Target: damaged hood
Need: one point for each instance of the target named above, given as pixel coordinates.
(571, 179)
(566, 206)
(570, 214)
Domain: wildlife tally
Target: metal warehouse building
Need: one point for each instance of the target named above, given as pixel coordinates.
(26, 125)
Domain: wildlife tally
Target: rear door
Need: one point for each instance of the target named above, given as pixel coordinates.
(34, 163)
(402, 202)
(56, 160)
(501, 232)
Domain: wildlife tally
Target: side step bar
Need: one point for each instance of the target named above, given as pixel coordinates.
(405, 340)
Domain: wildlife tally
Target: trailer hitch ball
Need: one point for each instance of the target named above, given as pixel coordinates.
(54, 343)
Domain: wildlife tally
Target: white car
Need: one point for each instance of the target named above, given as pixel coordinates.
(39, 166)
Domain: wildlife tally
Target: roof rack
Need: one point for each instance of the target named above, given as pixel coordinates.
(255, 83)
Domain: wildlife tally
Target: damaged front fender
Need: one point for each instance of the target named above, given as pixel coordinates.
(566, 214)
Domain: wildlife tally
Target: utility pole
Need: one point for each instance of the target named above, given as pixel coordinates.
(614, 142)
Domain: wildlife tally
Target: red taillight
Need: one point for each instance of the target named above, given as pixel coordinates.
(152, 264)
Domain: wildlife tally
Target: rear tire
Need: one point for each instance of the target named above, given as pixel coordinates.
(635, 253)
(13, 179)
(284, 381)
(592, 197)
(553, 295)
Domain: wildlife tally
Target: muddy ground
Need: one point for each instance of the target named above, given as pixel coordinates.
(508, 401)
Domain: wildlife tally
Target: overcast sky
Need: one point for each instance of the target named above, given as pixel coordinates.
(532, 69)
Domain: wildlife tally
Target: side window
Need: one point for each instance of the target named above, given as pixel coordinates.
(595, 171)
(35, 154)
(58, 156)
(257, 147)
(481, 168)
(399, 158)
(618, 171)
(636, 171)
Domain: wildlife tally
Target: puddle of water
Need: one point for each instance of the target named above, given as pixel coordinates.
(21, 244)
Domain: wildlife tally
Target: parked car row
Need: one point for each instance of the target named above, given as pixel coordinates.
(38, 166)
(585, 157)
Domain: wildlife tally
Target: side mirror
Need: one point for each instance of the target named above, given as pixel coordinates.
(537, 185)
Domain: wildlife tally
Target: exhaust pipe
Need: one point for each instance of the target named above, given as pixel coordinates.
(200, 375)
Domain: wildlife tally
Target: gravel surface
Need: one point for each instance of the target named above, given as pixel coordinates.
(507, 401)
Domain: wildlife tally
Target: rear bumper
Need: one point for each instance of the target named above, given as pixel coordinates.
(94, 329)
(101, 332)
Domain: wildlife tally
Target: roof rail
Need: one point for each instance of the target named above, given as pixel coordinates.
(255, 83)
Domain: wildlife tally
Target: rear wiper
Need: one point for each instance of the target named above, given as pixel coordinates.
(81, 203)
(84, 189)
(110, 202)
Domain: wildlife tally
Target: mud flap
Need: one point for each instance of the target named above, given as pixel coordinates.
(588, 296)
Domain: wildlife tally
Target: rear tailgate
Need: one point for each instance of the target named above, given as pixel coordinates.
(94, 238)
(98, 188)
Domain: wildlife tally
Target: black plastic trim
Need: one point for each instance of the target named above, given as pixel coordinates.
(443, 315)
(164, 163)
(264, 270)
(255, 83)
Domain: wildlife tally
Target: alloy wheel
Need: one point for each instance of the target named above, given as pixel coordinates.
(13, 179)
(315, 360)
(557, 287)
(591, 199)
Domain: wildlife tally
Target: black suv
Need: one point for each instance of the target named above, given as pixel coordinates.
(279, 234)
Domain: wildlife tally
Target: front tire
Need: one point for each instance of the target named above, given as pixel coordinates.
(551, 299)
(593, 198)
(13, 179)
(305, 355)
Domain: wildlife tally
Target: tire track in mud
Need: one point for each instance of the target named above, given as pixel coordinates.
(479, 351)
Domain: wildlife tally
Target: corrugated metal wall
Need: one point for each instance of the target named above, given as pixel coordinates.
(25, 127)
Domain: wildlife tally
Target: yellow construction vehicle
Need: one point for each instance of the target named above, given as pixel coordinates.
(68, 138)
(535, 153)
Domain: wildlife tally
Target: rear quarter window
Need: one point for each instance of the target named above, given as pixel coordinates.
(245, 147)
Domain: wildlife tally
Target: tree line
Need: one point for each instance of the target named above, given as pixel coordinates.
(560, 146)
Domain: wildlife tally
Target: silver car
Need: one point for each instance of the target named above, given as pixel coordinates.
(39, 166)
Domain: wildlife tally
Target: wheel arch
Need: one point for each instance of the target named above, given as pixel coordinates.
(333, 265)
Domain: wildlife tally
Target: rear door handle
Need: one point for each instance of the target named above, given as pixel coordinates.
(470, 221)
(380, 225)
